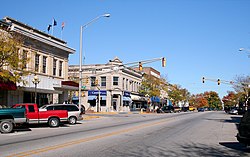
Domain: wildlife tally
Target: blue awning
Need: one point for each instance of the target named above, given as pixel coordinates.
(155, 99)
(93, 97)
(75, 98)
(127, 99)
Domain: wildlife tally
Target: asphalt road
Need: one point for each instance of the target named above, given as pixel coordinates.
(176, 134)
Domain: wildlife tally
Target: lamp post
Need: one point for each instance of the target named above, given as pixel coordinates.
(35, 80)
(80, 64)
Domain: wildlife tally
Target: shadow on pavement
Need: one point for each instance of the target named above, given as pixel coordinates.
(184, 150)
(21, 129)
(235, 146)
(29, 127)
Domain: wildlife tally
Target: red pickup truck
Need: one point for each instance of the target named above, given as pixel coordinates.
(52, 118)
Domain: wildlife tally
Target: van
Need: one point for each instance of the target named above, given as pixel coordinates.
(74, 113)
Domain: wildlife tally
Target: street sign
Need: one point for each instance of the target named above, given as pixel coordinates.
(83, 87)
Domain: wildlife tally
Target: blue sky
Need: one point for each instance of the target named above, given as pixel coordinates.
(198, 37)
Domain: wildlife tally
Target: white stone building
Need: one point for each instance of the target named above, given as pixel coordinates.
(48, 61)
(117, 84)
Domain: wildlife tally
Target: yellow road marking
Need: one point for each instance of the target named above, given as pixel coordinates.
(63, 145)
(90, 117)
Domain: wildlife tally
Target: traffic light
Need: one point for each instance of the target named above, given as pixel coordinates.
(218, 81)
(140, 66)
(163, 62)
(83, 94)
(96, 82)
(203, 79)
(86, 80)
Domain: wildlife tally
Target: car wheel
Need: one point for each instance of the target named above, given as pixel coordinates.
(6, 126)
(72, 120)
(54, 122)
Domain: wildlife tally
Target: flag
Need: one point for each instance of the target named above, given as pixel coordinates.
(49, 26)
(63, 24)
(54, 22)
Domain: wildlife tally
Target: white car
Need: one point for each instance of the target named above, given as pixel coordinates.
(233, 111)
(74, 114)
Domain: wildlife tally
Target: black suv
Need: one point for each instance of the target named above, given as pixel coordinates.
(244, 129)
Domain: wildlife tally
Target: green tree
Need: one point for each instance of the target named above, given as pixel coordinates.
(213, 99)
(178, 94)
(12, 62)
(150, 86)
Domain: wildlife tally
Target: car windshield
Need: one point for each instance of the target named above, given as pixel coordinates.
(44, 106)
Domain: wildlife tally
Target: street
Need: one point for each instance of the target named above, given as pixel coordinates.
(210, 133)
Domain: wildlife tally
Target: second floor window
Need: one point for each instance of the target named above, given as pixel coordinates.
(54, 67)
(60, 68)
(93, 81)
(103, 81)
(115, 81)
(126, 84)
(37, 62)
(24, 58)
(44, 64)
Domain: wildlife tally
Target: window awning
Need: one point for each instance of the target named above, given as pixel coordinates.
(127, 99)
(8, 85)
(93, 97)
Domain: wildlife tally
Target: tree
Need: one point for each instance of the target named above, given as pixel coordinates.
(178, 94)
(12, 62)
(213, 99)
(241, 86)
(231, 99)
(150, 86)
(198, 101)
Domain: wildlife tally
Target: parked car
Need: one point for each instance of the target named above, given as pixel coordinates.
(201, 109)
(74, 114)
(52, 118)
(243, 135)
(233, 111)
(168, 109)
(11, 117)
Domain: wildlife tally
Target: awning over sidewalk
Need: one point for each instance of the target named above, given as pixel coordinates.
(93, 97)
(38, 90)
(68, 85)
(127, 99)
(8, 85)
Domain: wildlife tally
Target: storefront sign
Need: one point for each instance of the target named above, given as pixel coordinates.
(96, 92)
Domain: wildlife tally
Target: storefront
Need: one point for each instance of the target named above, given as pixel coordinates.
(93, 99)
(126, 101)
(5, 89)
(139, 102)
(155, 102)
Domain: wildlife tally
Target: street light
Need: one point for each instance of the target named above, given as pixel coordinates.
(80, 66)
(35, 80)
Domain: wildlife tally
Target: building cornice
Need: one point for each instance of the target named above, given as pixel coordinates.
(35, 34)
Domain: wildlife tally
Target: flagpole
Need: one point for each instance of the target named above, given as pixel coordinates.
(61, 33)
(62, 28)
(52, 26)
